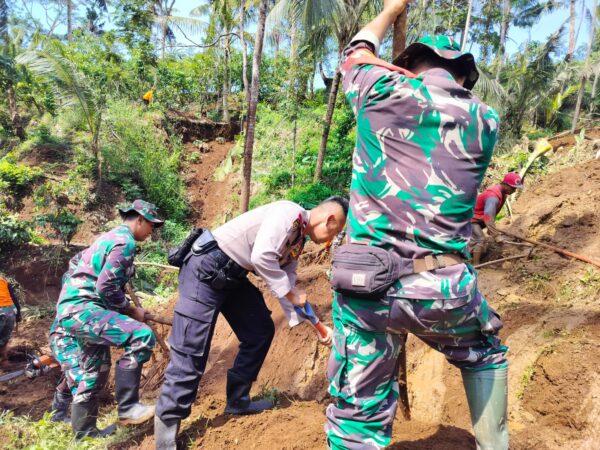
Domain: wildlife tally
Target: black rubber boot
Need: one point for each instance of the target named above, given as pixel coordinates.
(83, 420)
(60, 406)
(127, 392)
(165, 433)
(238, 397)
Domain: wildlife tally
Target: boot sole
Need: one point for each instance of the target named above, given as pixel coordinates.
(137, 421)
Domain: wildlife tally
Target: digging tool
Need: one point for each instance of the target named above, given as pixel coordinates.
(558, 250)
(153, 318)
(308, 313)
(398, 45)
(35, 367)
(136, 302)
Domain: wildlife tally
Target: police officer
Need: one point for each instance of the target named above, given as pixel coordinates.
(267, 241)
(93, 314)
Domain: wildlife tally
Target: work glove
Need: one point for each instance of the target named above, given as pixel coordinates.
(327, 339)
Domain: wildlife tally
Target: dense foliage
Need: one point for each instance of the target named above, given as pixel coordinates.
(73, 95)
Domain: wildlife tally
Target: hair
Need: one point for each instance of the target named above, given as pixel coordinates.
(432, 60)
(340, 201)
(129, 215)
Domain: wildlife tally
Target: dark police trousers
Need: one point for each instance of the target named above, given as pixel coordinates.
(201, 299)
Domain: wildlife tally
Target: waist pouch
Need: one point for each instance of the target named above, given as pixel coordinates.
(365, 271)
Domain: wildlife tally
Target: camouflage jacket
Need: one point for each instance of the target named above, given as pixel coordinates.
(99, 274)
(423, 145)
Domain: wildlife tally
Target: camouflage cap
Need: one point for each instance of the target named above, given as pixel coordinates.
(445, 47)
(147, 210)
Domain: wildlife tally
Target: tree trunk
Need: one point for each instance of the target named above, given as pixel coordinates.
(294, 146)
(15, 117)
(226, 115)
(251, 121)
(571, 49)
(327, 124)
(467, 25)
(69, 20)
(594, 86)
(244, 53)
(587, 64)
(163, 39)
(503, 35)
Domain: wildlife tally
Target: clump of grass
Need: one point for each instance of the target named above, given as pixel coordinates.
(526, 378)
(22, 432)
(270, 393)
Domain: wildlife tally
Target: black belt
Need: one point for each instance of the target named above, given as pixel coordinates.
(205, 244)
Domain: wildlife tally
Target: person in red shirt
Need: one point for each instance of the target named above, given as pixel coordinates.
(488, 205)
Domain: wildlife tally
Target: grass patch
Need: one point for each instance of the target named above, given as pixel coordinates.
(21, 432)
(526, 378)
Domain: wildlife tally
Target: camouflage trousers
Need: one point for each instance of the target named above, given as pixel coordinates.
(81, 344)
(363, 365)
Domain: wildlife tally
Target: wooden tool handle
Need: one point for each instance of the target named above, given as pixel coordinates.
(399, 36)
(136, 302)
(321, 329)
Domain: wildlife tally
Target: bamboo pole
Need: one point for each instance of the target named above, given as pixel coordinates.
(561, 251)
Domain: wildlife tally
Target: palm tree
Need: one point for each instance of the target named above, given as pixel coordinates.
(8, 72)
(252, 104)
(588, 62)
(72, 88)
(521, 13)
(222, 22)
(467, 25)
(321, 19)
(571, 49)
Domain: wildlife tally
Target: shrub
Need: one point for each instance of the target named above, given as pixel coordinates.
(143, 160)
(310, 195)
(63, 222)
(13, 232)
(15, 178)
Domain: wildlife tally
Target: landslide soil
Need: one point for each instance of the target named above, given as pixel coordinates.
(549, 304)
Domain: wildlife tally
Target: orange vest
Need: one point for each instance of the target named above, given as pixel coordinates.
(5, 298)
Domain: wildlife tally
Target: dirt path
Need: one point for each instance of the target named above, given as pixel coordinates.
(210, 199)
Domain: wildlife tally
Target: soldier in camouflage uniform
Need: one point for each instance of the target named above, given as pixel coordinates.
(94, 314)
(424, 142)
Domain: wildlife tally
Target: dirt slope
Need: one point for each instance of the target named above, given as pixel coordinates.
(550, 307)
(551, 310)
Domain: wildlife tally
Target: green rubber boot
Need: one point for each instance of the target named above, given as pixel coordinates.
(487, 393)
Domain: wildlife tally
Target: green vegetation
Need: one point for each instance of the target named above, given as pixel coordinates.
(13, 232)
(143, 160)
(20, 432)
(526, 378)
(15, 177)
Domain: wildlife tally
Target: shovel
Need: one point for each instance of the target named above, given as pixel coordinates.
(308, 313)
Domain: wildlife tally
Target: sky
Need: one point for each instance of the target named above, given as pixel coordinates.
(516, 37)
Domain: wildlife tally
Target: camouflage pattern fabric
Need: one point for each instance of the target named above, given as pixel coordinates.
(363, 364)
(8, 317)
(423, 145)
(81, 344)
(102, 271)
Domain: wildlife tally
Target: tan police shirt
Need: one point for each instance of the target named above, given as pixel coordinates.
(267, 241)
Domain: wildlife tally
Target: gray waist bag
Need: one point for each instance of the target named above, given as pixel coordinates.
(366, 272)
